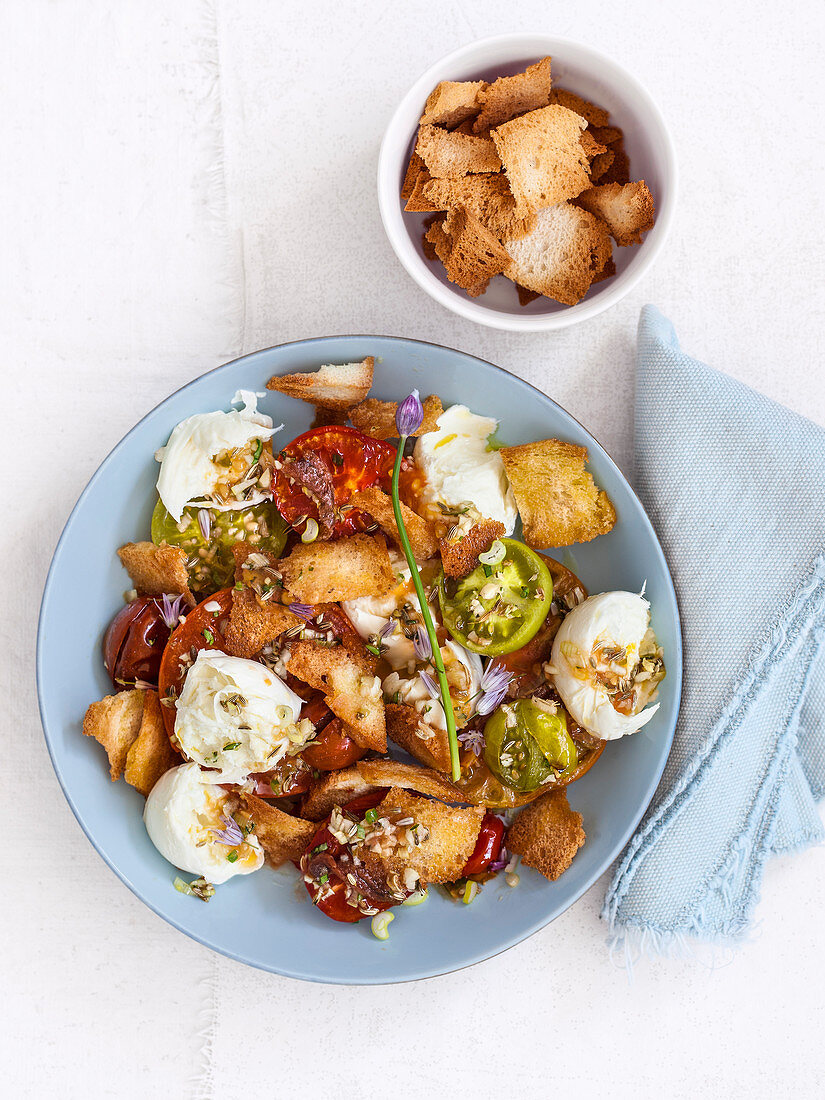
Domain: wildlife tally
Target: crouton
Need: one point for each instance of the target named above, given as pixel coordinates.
(510, 96)
(333, 789)
(263, 562)
(156, 569)
(449, 155)
(547, 834)
(627, 211)
(596, 116)
(392, 773)
(351, 689)
(332, 386)
(418, 203)
(460, 556)
(282, 836)
(437, 240)
(115, 723)
(254, 623)
(415, 166)
(475, 255)
(377, 418)
(558, 502)
(562, 255)
(600, 164)
(451, 835)
(451, 102)
(525, 295)
(487, 197)
(607, 272)
(325, 572)
(378, 505)
(425, 743)
(543, 157)
(590, 146)
(618, 171)
(151, 754)
(324, 417)
(606, 135)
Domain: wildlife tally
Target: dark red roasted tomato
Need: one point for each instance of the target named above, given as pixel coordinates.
(134, 643)
(488, 846)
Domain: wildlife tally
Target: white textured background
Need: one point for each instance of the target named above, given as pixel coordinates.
(184, 182)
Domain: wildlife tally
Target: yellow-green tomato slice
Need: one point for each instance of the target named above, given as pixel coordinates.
(210, 562)
(498, 608)
(525, 745)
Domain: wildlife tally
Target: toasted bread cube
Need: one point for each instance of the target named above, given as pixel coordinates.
(332, 386)
(557, 499)
(451, 102)
(377, 504)
(596, 116)
(392, 773)
(156, 569)
(451, 835)
(436, 240)
(510, 96)
(460, 556)
(547, 834)
(377, 418)
(425, 743)
(627, 211)
(282, 836)
(324, 417)
(600, 164)
(415, 166)
(590, 146)
(449, 155)
(254, 624)
(115, 723)
(606, 272)
(151, 754)
(417, 202)
(325, 572)
(350, 686)
(543, 157)
(618, 171)
(605, 135)
(487, 197)
(475, 255)
(333, 789)
(562, 255)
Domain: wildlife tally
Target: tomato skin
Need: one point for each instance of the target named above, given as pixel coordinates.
(332, 748)
(134, 642)
(353, 460)
(488, 845)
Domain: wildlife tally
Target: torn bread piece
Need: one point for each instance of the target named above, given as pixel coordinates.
(595, 116)
(324, 417)
(510, 96)
(392, 773)
(282, 836)
(326, 572)
(377, 504)
(543, 157)
(562, 255)
(425, 743)
(414, 168)
(156, 569)
(333, 789)
(332, 386)
(437, 240)
(607, 272)
(459, 556)
(475, 255)
(377, 418)
(254, 623)
(488, 198)
(351, 689)
(590, 145)
(525, 295)
(451, 102)
(114, 723)
(151, 754)
(557, 499)
(449, 835)
(547, 834)
(426, 245)
(449, 155)
(606, 135)
(627, 211)
(600, 164)
(418, 203)
(618, 170)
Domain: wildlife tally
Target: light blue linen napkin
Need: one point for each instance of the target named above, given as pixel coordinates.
(734, 485)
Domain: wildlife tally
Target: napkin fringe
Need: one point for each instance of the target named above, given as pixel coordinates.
(636, 937)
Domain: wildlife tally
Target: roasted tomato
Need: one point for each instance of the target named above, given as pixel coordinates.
(332, 748)
(488, 846)
(320, 470)
(134, 643)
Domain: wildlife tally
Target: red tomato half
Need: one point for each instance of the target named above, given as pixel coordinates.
(488, 845)
(354, 461)
(332, 748)
(134, 641)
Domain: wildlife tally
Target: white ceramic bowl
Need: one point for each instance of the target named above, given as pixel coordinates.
(579, 69)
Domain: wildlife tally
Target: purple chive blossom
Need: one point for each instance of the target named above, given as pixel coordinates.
(502, 861)
(231, 834)
(421, 644)
(386, 630)
(472, 740)
(302, 610)
(205, 522)
(494, 684)
(409, 416)
(170, 609)
(431, 686)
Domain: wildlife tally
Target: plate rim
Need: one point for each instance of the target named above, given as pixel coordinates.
(295, 972)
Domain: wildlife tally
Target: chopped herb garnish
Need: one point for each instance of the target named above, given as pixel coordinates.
(320, 848)
(259, 446)
(231, 745)
(374, 649)
(239, 587)
(210, 637)
(232, 856)
(323, 877)
(488, 570)
(525, 591)
(370, 816)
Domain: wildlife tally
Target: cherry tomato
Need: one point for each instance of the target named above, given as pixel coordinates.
(488, 845)
(134, 642)
(290, 776)
(353, 461)
(332, 748)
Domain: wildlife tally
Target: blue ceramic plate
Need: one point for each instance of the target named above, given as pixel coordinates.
(265, 919)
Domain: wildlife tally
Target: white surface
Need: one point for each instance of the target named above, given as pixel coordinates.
(183, 183)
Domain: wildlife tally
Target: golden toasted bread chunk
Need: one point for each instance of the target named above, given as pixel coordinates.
(436, 240)
(590, 145)
(510, 96)
(474, 255)
(627, 211)
(451, 835)
(282, 836)
(377, 418)
(449, 155)
(151, 753)
(254, 624)
(460, 556)
(415, 166)
(487, 197)
(543, 157)
(332, 386)
(392, 773)
(451, 102)
(323, 417)
(427, 246)
(425, 743)
(114, 723)
(547, 834)
(350, 687)
(562, 255)
(333, 789)
(156, 569)
(525, 295)
(606, 272)
(605, 135)
(325, 572)
(600, 164)
(596, 116)
(418, 203)
(377, 504)
(557, 499)
(618, 170)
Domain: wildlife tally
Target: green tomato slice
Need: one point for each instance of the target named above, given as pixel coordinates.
(210, 562)
(498, 608)
(525, 745)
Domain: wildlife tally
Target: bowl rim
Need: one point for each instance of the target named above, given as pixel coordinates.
(377, 979)
(392, 214)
